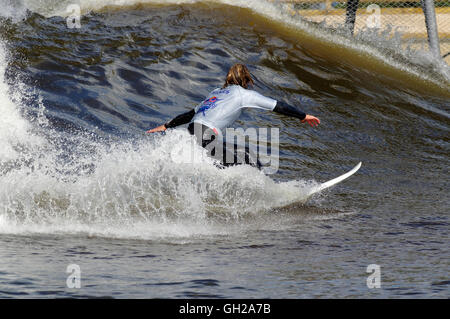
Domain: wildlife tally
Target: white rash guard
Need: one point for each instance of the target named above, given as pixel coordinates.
(223, 106)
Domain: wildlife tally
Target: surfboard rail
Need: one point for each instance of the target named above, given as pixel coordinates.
(334, 181)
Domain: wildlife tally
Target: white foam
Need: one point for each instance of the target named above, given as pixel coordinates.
(14, 9)
(14, 128)
(134, 185)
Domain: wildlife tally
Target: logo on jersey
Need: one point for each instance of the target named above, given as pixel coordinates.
(208, 104)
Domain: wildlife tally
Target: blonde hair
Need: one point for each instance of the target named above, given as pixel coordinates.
(238, 75)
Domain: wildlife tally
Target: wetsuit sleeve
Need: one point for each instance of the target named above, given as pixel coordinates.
(288, 110)
(253, 99)
(181, 119)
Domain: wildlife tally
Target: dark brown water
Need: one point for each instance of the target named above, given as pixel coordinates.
(81, 184)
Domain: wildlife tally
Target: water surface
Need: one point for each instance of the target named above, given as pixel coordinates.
(81, 184)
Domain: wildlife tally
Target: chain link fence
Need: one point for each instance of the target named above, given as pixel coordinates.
(405, 19)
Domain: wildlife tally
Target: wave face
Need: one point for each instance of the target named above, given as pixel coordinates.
(381, 49)
(76, 101)
(61, 174)
(84, 182)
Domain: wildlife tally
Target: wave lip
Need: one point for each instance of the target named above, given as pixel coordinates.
(382, 50)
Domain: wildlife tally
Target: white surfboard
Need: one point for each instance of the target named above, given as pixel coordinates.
(334, 181)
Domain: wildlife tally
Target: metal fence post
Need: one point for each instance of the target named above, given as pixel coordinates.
(430, 21)
(350, 14)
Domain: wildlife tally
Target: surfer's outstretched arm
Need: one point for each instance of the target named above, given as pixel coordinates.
(288, 110)
(253, 99)
(179, 120)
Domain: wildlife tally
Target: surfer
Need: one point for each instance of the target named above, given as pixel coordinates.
(223, 106)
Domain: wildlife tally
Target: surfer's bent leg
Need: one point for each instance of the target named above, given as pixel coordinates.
(202, 133)
(241, 155)
(229, 155)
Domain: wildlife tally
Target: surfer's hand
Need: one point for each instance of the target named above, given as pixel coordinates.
(160, 128)
(312, 120)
